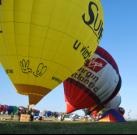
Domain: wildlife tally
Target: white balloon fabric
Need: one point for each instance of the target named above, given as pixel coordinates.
(114, 103)
(94, 84)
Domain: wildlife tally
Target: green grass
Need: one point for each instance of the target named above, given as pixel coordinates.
(68, 128)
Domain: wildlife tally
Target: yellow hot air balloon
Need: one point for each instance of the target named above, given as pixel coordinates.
(42, 42)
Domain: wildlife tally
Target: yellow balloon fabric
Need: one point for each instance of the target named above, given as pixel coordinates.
(42, 42)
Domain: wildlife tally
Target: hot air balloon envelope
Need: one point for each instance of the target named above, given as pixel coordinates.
(42, 42)
(94, 84)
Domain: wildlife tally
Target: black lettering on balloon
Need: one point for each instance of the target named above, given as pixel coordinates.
(76, 44)
(83, 49)
(56, 79)
(41, 69)
(25, 66)
(85, 52)
(101, 30)
(91, 14)
(97, 26)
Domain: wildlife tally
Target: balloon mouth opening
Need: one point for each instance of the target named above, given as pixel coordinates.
(70, 108)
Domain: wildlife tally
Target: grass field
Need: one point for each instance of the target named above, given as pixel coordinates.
(67, 128)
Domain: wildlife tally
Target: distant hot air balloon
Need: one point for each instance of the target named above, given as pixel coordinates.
(94, 85)
(42, 42)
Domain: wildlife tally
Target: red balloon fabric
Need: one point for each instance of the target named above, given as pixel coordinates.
(94, 84)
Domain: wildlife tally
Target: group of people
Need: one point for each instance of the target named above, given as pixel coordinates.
(28, 111)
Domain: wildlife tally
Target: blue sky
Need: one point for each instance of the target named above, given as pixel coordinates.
(119, 39)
